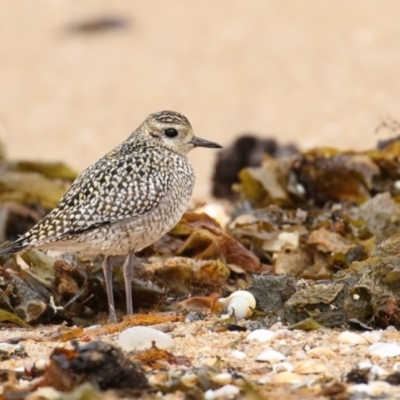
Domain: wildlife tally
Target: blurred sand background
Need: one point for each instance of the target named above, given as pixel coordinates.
(311, 71)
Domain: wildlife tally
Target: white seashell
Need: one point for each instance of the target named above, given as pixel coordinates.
(225, 392)
(384, 350)
(372, 337)
(41, 364)
(141, 337)
(351, 338)
(240, 304)
(262, 335)
(283, 367)
(271, 356)
(378, 371)
(365, 365)
(240, 355)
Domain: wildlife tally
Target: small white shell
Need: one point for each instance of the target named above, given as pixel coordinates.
(271, 356)
(384, 350)
(240, 304)
(262, 335)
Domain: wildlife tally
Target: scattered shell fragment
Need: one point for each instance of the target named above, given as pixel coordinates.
(321, 352)
(351, 338)
(373, 388)
(283, 367)
(240, 355)
(190, 380)
(240, 304)
(310, 366)
(271, 356)
(288, 377)
(141, 337)
(283, 333)
(262, 335)
(376, 371)
(41, 364)
(384, 350)
(222, 379)
(290, 238)
(160, 379)
(224, 392)
(372, 337)
(396, 366)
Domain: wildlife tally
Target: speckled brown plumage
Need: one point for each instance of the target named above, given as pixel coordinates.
(126, 200)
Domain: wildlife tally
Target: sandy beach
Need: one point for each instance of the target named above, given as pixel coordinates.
(317, 73)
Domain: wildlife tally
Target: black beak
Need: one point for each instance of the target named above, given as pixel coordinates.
(198, 142)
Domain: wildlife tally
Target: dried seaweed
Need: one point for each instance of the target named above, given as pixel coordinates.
(309, 222)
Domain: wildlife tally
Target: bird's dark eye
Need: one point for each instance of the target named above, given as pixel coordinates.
(171, 132)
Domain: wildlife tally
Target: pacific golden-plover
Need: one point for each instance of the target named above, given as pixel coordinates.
(125, 201)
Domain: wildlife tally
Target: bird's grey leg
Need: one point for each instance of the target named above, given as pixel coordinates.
(127, 270)
(107, 269)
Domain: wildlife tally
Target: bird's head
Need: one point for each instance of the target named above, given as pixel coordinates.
(173, 131)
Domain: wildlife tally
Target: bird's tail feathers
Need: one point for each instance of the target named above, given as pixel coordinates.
(13, 247)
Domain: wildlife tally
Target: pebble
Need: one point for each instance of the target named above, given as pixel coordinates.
(384, 350)
(225, 392)
(7, 349)
(351, 338)
(240, 355)
(141, 337)
(276, 326)
(299, 355)
(262, 335)
(271, 356)
(283, 334)
(285, 349)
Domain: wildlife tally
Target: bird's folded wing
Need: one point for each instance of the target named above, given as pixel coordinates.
(111, 190)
